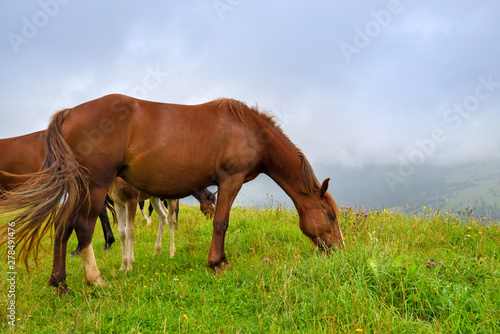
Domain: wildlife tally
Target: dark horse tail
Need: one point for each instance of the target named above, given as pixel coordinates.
(49, 198)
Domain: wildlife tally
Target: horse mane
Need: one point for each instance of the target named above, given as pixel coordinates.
(240, 110)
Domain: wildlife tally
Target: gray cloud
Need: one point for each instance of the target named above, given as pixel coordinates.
(419, 62)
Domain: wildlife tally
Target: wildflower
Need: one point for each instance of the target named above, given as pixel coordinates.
(181, 296)
(359, 330)
(185, 316)
(266, 259)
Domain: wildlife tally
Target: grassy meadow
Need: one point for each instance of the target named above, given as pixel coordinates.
(425, 272)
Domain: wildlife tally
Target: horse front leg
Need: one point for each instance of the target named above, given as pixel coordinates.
(129, 231)
(121, 215)
(172, 223)
(228, 189)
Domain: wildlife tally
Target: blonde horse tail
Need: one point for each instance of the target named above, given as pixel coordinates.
(49, 198)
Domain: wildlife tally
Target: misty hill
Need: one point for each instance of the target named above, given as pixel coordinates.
(474, 186)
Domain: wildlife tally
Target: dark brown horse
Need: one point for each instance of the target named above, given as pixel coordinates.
(168, 151)
(23, 155)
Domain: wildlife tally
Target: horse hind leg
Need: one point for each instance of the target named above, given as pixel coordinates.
(58, 276)
(84, 229)
(109, 238)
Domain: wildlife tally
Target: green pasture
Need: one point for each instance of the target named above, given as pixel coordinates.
(429, 272)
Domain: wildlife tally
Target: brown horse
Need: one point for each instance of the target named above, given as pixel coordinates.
(125, 199)
(168, 151)
(20, 156)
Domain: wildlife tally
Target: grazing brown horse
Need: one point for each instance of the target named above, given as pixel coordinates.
(168, 151)
(24, 155)
(125, 199)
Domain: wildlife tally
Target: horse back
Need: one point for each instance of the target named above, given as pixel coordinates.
(166, 150)
(23, 154)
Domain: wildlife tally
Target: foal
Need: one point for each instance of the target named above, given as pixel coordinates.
(125, 199)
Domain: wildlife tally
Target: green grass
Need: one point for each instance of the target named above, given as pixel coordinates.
(426, 273)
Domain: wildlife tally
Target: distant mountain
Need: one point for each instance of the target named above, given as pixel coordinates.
(473, 186)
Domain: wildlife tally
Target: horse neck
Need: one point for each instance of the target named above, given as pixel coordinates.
(285, 168)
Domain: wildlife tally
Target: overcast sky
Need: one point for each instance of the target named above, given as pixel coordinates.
(353, 83)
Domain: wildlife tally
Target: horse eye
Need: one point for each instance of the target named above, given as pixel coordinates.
(330, 216)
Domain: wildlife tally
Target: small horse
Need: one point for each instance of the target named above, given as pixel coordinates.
(223, 143)
(205, 197)
(23, 155)
(125, 199)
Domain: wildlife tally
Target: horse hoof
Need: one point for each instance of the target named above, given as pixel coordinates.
(76, 253)
(100, 282)
(62, 290)
(219, 269)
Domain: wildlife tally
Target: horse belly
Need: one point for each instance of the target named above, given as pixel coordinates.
(171, 177)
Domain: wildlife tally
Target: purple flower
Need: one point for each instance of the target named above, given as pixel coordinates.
(181, 297)
(266, 259)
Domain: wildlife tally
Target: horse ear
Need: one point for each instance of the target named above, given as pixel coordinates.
(324, 187)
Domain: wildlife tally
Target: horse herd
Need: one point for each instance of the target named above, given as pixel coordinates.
(62, 177)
